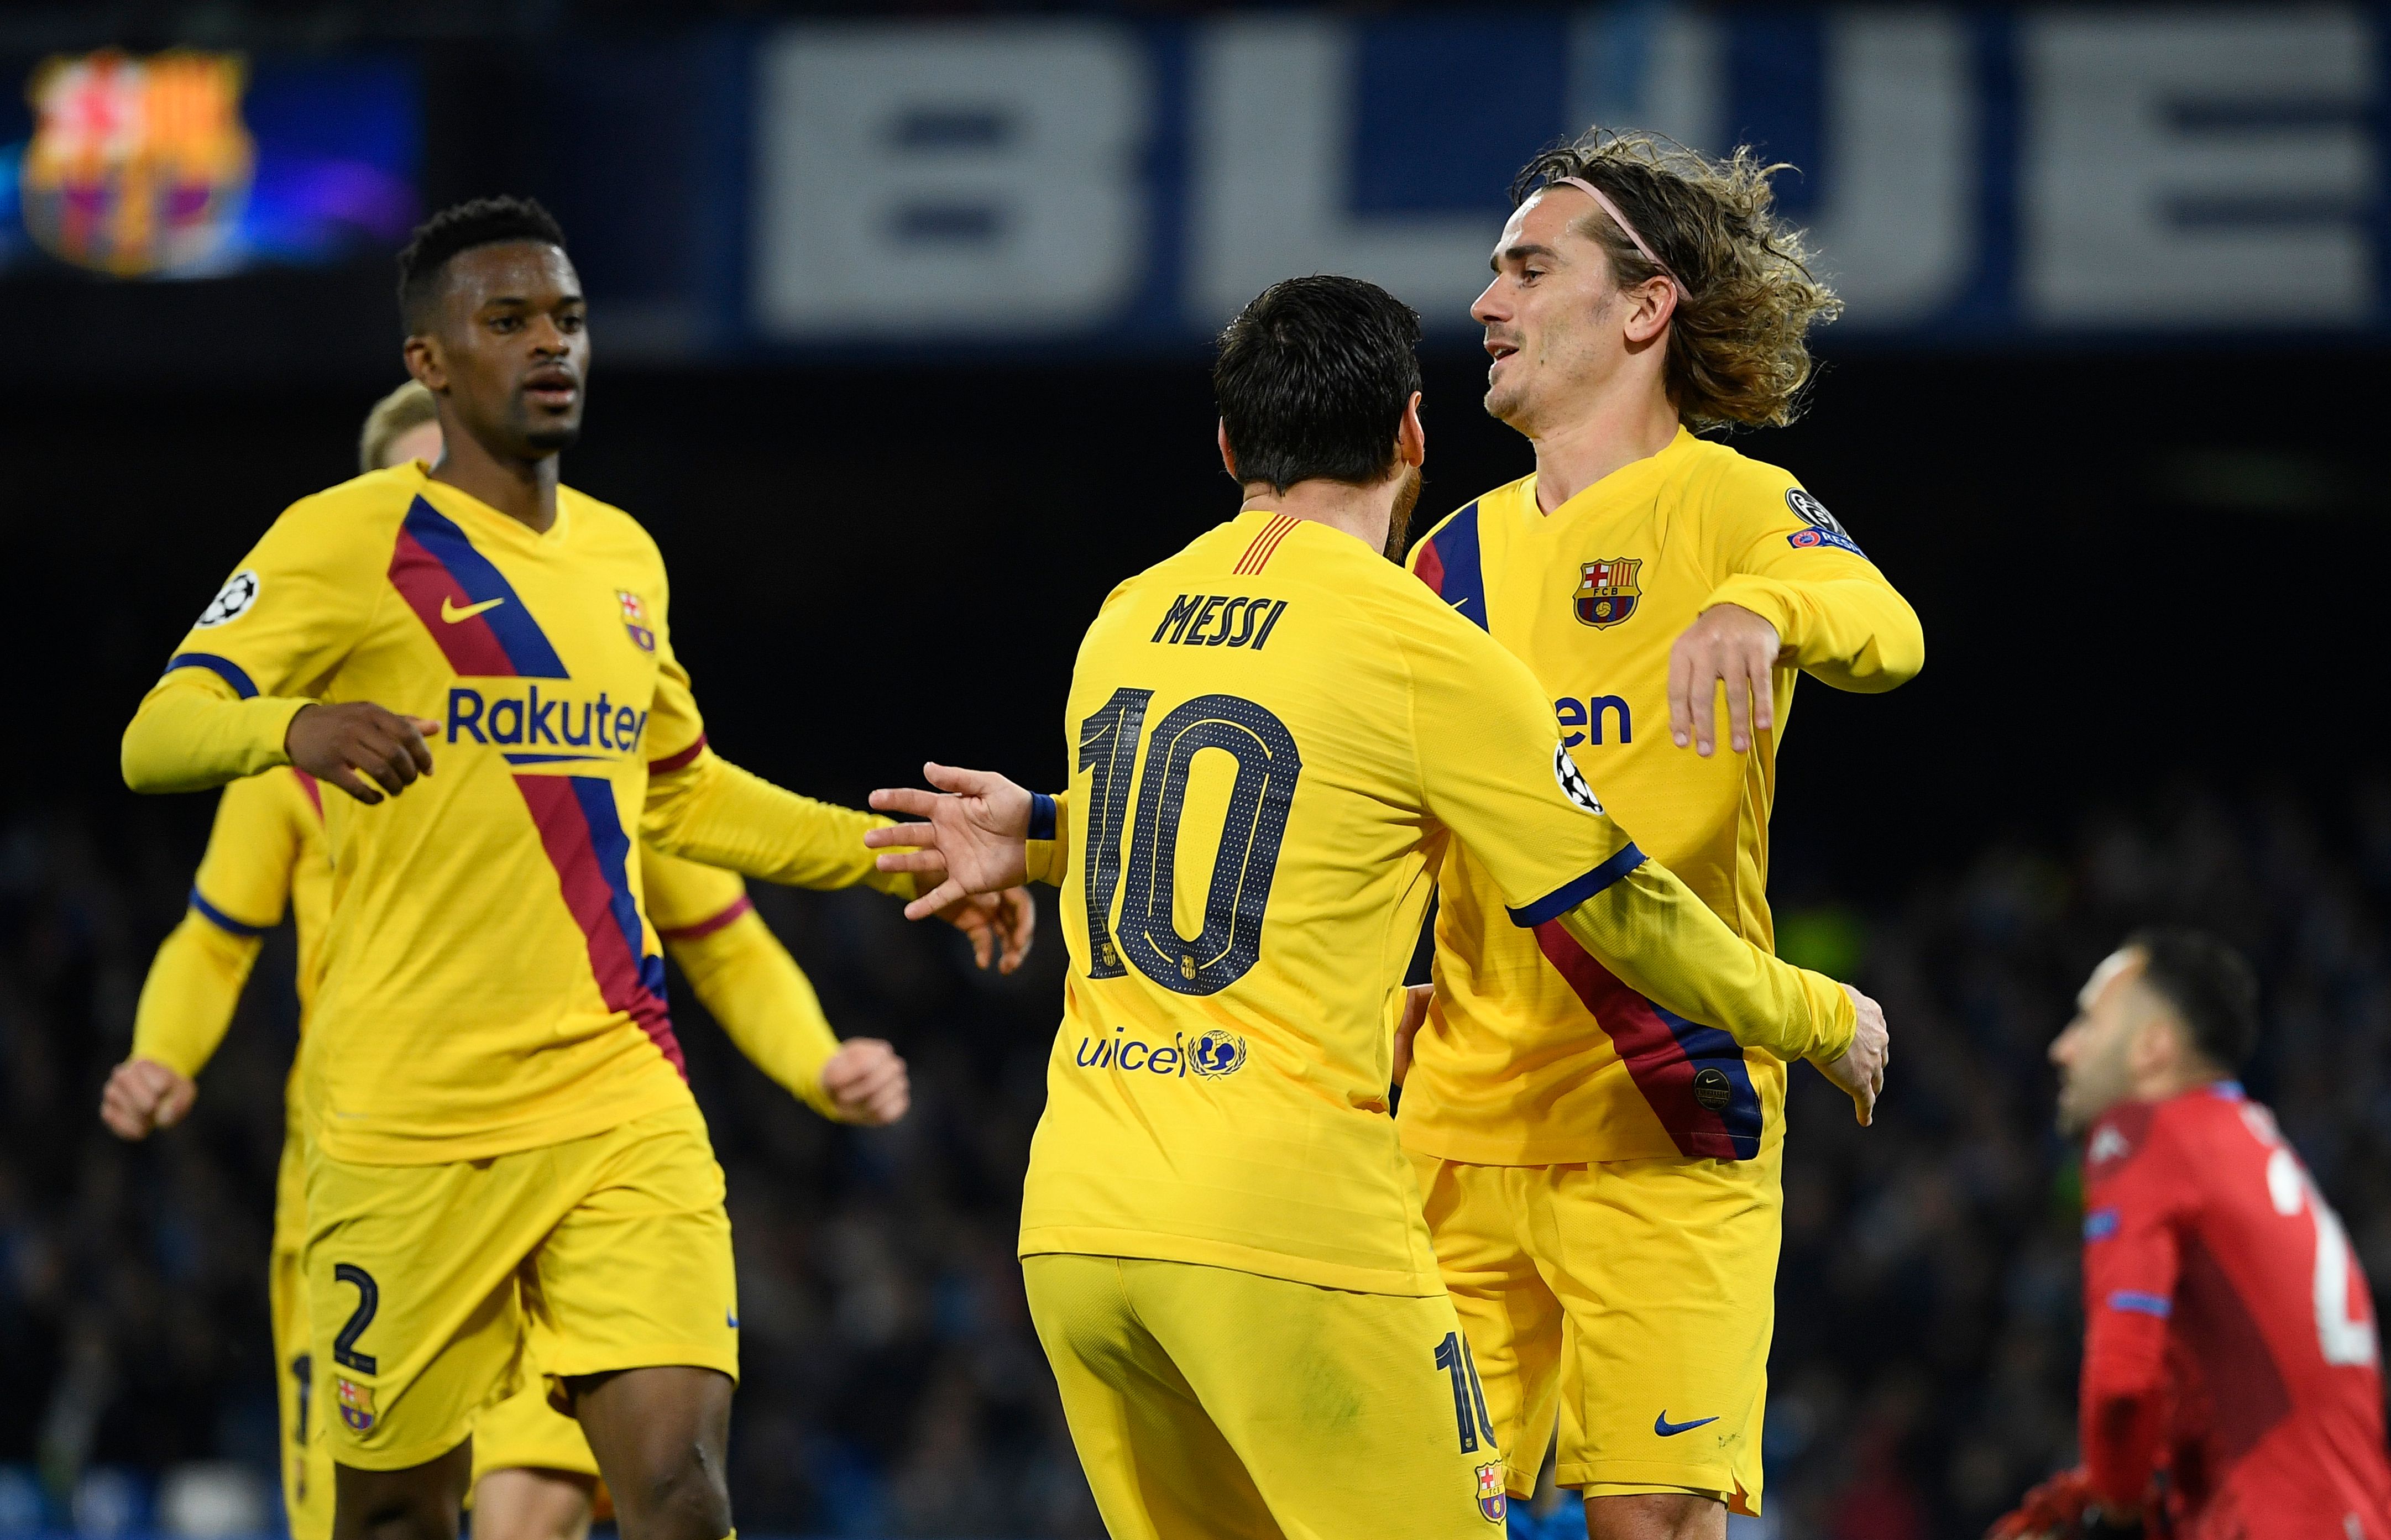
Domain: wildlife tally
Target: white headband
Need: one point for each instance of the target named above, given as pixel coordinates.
(1617, 218)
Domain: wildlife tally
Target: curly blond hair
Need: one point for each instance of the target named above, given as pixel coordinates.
(1739, 349)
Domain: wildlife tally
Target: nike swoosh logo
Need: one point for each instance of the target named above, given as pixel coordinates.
(451, 614)
(1456, 603)
(1662, 1426)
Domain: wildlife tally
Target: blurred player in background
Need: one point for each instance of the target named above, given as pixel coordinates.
(1221, 1238)
(1602, 1175)
(534, 1476)
(2232, 1387)
(500, 1126)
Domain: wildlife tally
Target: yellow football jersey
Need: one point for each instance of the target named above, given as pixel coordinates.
(1274, 735)
(491, 982)
(1532, 1055)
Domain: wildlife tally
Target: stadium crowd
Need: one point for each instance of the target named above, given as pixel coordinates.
(1927, 1314)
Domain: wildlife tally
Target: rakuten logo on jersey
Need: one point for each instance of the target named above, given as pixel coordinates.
(525, 717)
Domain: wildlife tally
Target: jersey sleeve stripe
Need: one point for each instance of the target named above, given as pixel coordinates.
(435, 569)
(711, 923)
(1042, 816)
(1448, 565)
(223, 921)
(223, 667)
(583, 834)
(672, 762)
(1664, 1053)
(2137, 1303)
(1570, 894)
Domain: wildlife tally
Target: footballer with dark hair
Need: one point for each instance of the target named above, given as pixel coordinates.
(1276, 734)
(2232, 1383)
(503, 1132)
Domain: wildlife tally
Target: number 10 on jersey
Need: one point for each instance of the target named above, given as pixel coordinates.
(1243, 868)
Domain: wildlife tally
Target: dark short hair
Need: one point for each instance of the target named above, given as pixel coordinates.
(461, 228)
(1312, 378)
(2209, 985)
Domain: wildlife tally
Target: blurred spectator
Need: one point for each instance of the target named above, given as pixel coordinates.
(1925, 1359)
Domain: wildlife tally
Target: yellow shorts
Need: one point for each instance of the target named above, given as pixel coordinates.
(527, 1432)
(420, 1278)
(1209, 1403)
(299, 1388)
(1635, 1298)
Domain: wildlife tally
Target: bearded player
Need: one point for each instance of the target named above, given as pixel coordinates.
(501, 1125)
(1602, 1176)
(2232, 1386)
(534, 1476)
(1273, 735)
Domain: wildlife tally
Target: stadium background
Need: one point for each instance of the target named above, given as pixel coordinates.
(2121, 473)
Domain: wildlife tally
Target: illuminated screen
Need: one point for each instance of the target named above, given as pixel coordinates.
(194, 164)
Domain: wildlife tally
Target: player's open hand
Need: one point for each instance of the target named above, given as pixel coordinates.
(999, 925)
(143, 1096)
(1726, 643)
(977, 835)
(356, 746)
(1860, 1070)
(866, 1083)
(1415, 999)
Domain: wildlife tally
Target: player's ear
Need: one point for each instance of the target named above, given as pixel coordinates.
(421, 353)
(1411, 435)
(1655, 300)
(1228, 456)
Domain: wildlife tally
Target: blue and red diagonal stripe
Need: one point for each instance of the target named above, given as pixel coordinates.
(1662, 1051)
(1448, 565)
(433, 565)
(584, 837)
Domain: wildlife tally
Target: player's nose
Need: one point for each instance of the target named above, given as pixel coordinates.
(1488, 307)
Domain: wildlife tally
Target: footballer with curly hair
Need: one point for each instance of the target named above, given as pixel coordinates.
(1602, 1176)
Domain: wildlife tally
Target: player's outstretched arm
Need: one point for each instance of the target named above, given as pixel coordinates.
(1659, 938)
(974, 836)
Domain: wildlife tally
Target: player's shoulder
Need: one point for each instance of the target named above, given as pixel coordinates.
(603, 521)
(1732, 490)
(2183, 1133)
(1462, 523)
(364, 507)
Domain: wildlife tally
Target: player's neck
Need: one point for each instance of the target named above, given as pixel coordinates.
(1622, 425)
(522, 490)
(1364, 513)
(2165, 1082)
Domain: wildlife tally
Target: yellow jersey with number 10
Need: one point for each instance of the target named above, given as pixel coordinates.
(1274, 735)
(1532, 1055)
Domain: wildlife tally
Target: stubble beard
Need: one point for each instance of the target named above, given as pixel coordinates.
(1399, 518)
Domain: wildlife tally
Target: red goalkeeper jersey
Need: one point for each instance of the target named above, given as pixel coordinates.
(2228, 1332)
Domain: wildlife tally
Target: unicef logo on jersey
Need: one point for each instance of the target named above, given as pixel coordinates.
(1217, 1053)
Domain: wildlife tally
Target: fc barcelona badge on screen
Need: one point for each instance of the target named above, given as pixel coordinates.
(1606, 591)
(1492, 1500)
(634, 620)
(357, 1404)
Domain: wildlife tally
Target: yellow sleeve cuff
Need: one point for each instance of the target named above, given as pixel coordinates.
(192, 732)
(1048, 853)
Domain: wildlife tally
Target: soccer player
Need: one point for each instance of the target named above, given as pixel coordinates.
(1601, 1175)
(1273, 734)
(533, 1477)
(2233, 1383)
(500, 1123)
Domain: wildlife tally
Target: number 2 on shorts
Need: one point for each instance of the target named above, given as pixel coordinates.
(345, 1346)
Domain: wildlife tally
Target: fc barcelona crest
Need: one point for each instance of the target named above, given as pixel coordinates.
(635, 621)
(357, 1404)
(1606, 591)
(1494, 1501)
